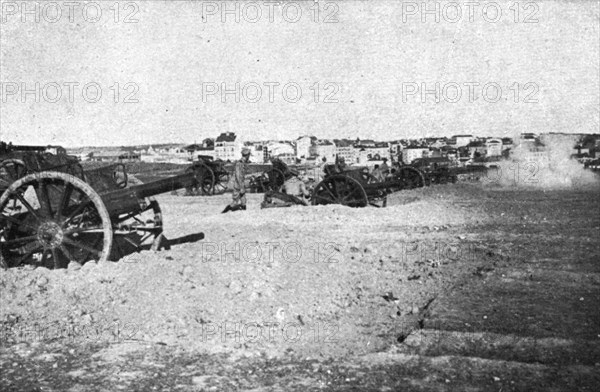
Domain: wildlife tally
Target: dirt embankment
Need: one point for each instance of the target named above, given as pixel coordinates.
(436, 273)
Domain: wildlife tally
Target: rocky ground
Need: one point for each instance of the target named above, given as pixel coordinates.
(454, 287)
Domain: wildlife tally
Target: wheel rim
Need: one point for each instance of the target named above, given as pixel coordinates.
(207, 183)
(133, 232)
(50, 218)
(340, 189)
(411, 178)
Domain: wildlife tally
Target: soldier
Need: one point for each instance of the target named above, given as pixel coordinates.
(296, 186)
(294, 193)
(239, 188)
(384, 168)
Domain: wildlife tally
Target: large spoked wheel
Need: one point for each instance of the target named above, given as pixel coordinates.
(340, 189)
(205, 180)
(410, 177)
(10, 171)
(51, 218)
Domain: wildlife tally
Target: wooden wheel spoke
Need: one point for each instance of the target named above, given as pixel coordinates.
(83, 204)
(66, 252)
(88, 249)
(350, 193)
(131, 242)
(27, 205)
(45, 199)
(21, 240)
(323, 198)
(45, 254)
(64, 201)
(326, 187)
(18, 222)
(55, 258)
(89, 229)
(27, 255)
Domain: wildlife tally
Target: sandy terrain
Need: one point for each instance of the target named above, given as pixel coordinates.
(454, 287)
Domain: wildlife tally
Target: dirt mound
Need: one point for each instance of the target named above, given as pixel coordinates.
(308, 279)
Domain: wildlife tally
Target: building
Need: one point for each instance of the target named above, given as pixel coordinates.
(438, 143)
(462, 140)
(228, 147)
(533, 151)
(528, 136)
(345, 149)
(396, 151)
(324, 149)
(278, 150)
(167, 153)
(477, 149)
(204, 151)
(370, 150)
(257, 151)
(493, 147)
(289, 159)
(409, 154)
(303, 144)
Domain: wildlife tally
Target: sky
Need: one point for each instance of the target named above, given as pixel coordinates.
(331, 69)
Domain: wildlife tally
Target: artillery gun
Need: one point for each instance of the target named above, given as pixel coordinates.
(436, 170)
(53, 212)
(273, 179)
(356, 187)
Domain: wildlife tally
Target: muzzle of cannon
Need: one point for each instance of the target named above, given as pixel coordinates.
(52, 212)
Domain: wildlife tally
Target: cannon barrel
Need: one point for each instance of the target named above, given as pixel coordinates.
(131, 200)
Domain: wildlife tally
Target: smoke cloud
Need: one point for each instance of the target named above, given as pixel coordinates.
(545, 163)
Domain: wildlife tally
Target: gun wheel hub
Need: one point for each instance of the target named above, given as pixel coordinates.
(50, 235)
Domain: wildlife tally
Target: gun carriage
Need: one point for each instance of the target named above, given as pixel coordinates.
(214, 176)
(53, 212)
(356, 187)
(436, 170)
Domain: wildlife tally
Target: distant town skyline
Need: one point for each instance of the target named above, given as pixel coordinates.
(200, 140)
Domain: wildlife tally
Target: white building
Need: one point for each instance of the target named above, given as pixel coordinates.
(205, 151)
(228, 147)
(462, 140)
(303, 144)
(324, 149)
(345, 149)
(166, 154)
(493, 147)
(372, 151)
(277, 149)
(257, 151)
(409, 154)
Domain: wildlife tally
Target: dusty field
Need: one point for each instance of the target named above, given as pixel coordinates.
(458, 287)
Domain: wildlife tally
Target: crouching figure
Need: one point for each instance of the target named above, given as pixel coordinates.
(293, 192)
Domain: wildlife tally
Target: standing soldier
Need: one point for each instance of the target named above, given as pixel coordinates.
(239, 188)
(384, 169)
